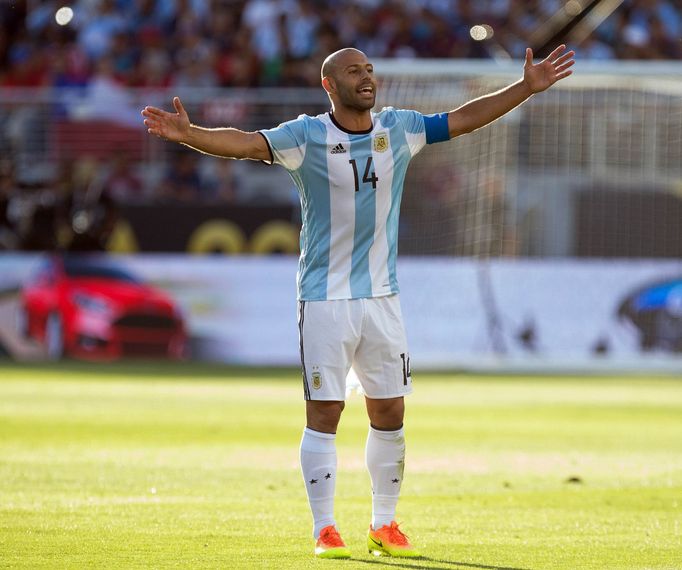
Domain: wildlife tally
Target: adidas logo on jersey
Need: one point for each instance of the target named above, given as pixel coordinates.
(338, 149)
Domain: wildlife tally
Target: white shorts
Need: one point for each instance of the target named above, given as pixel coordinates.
(367, 334)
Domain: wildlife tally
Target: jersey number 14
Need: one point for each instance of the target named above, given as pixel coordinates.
(367, 176)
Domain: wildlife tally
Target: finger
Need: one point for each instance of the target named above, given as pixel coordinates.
(154, 127)
(564, 67)
(153, 131)
(178, 106)
(157, 132)
(153, 111)
(529, 56)
(563, 75)
(151, 125)
(564, 58)
(557, 51)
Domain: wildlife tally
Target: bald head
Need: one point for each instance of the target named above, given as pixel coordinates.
(338, 60)
(348, 79)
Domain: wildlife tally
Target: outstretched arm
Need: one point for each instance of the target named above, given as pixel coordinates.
(227, 142)
(536, 77)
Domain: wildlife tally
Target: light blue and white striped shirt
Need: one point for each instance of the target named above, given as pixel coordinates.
(350, 185)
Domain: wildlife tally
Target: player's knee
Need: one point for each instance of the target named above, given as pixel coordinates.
(387, 423)
(324, 416)
(386, 414)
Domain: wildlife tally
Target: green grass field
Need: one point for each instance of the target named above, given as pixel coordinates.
(166, 466)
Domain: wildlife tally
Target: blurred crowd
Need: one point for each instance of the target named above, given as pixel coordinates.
(201, 43)
(77, 207)
(103, 47)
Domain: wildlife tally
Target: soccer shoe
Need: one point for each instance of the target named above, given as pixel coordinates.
(389, 540)
(330, 544)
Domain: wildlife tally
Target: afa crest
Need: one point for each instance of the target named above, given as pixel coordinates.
(381, 142)
(317, 380)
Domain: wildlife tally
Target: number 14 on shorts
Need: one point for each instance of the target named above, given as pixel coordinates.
(407, 373)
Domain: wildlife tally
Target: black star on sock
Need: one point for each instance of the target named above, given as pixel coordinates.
(328, 476)
(313, 481)
(394, 480)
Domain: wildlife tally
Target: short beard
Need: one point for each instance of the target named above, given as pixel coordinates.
(349, 100)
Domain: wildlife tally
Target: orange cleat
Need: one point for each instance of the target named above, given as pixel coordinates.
(330, 544)
(389, 540)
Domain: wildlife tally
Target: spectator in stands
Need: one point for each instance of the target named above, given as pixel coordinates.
(195, 59)
(28, 67)
(69, 67)
(222, 184)
(107, 98)
(5, 43)
(662, 44)
(182, 183)
(147, 16)
(594, 48)
(8, 187)
(642, 12)
(238, 65)
(359, 26)
(97, 33)
(12, 21)
(153, 65)
(263, 18)
(302, 23)
(273, 33)
(122, 184)
(123, 55)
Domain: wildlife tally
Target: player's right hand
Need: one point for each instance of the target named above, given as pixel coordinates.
(170, 126)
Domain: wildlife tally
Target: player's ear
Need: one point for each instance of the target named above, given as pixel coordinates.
(328, 84)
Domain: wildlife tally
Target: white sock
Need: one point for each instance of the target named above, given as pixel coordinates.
(385, 458)
(318, 464)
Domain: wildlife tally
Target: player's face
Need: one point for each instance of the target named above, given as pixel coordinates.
(356, 86)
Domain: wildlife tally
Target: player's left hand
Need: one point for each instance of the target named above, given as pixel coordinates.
(555, 66)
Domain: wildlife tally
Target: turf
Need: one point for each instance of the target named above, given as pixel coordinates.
(159, 466)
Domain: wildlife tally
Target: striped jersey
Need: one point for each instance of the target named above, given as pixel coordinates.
(350, 184)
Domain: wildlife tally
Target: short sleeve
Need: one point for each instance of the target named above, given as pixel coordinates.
(421, 130)
(413, 125)
(287, 143)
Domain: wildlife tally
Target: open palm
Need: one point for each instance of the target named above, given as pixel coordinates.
(170, 126)
(554, 67)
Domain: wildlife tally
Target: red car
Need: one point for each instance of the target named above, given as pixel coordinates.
(87, 307)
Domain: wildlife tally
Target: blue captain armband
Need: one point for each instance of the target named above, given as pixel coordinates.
(436, 127)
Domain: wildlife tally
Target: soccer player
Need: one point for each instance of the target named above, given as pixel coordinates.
(349, 166)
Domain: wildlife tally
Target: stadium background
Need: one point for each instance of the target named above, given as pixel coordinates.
(549, 239)
(546, 244)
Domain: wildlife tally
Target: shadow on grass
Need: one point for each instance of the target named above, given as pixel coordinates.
(436, 564)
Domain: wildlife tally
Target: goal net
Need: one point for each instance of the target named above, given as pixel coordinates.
(558, 226)
(590, 168)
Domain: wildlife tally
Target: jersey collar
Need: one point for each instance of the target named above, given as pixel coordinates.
(338, 126)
